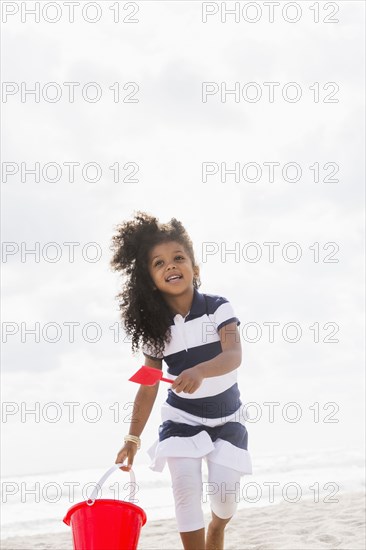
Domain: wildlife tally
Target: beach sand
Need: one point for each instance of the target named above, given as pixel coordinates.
(304, 525)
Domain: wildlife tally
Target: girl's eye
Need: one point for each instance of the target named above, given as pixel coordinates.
(160, 262)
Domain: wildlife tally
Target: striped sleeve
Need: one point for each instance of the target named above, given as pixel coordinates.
(147, 350)
(225, 314)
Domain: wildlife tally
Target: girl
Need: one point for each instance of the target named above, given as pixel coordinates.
(196, 334)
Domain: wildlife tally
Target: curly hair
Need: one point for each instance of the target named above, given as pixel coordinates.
(145, 314)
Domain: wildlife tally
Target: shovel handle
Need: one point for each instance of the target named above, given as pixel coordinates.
(167, 380)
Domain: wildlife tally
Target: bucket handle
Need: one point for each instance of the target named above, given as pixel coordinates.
(100, 483)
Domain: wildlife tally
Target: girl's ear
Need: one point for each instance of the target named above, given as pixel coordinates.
(196, 277)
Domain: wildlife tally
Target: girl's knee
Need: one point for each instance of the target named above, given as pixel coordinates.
(223, 511)
(224, 500)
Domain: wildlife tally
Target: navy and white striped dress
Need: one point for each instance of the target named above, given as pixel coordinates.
(210, 421)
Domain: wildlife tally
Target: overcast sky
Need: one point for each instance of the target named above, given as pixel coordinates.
(163, 140)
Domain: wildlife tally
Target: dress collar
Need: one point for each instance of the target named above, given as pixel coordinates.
(198, 307)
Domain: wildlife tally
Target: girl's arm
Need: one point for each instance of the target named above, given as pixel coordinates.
(142, 407)
(229, 359)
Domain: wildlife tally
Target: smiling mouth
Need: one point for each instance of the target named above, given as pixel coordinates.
(173, 278)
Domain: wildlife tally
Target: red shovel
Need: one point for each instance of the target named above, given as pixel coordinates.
(148, 376)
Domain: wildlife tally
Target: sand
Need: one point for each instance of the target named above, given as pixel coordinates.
(304, 525)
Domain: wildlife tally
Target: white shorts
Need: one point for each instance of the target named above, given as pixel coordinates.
(222, 488)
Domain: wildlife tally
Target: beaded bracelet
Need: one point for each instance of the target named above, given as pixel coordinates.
(133, 439)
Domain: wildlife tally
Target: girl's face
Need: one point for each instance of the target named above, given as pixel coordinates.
(171, 268)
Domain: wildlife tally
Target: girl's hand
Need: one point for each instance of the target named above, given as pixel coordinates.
(128, 451)
(188, 381)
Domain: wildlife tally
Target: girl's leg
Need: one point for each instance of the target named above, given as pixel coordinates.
(187, 490)
(224, 501)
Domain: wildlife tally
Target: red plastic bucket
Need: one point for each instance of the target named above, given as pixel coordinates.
(106, 524)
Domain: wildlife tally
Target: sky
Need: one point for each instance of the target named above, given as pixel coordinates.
(163, 133)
